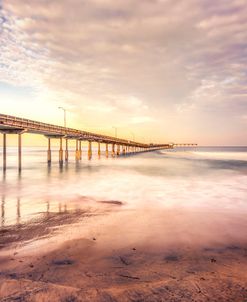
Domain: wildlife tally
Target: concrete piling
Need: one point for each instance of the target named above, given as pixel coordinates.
(80, 152)
(89, 150)
(113, 150)
(61, 151)
(118, 150)
(106, 150)
(77, 153)
(4, 152)
(99, 149)
(66, 150)
(49, 151)
(19, 152)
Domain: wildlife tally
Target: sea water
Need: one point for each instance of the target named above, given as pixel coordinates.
(202, 190)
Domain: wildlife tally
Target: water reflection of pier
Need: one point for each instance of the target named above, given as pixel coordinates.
(17, 217)
(3, 212)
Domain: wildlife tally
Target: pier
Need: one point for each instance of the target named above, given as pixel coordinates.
(16, 125)
(185, 145)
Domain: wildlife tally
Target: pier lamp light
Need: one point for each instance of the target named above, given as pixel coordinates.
(64, 115)
(133, 135)
(115, 130)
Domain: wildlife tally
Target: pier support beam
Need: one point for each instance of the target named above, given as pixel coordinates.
(106, 150)
(66, 150)
(4, 152)
(113, 150)
(77, 153)
(118, 150)
(49, 152)
(11, 131)
(61, 152)
(89, 150)
(124, 150)
(80, 152)
(99, 149)
(19, 151)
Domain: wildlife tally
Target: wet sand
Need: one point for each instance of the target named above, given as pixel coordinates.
(126, 255)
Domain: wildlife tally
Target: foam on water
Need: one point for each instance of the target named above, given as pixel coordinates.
(193, 179)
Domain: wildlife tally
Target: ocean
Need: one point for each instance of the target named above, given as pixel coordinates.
(202, 189)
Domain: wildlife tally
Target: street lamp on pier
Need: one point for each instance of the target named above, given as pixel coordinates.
(64, 115)
(115, 130)
(133, 135)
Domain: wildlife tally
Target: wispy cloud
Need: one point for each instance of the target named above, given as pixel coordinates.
(139, 59)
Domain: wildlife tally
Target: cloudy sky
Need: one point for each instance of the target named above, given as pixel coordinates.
(161, 70)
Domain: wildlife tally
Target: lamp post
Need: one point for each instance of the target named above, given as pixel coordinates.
(64, 115)
(133, 135)
(115, 131)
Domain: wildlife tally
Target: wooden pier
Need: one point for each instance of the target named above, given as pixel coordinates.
(15, 125)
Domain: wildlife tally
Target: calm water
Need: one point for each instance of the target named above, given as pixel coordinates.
(207, 181)
(201, 177)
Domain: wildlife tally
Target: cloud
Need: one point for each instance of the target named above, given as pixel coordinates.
(134, 58)
(141, 119)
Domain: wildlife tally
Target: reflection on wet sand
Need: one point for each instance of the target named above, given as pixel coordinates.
(2, 211)
(46, 222)
(149, 255)
(14, 218)
(18, 212)
(39, 228)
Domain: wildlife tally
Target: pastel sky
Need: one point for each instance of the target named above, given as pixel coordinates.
(159, 70)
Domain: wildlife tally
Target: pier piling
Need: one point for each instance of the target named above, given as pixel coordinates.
(19, 151)
(118, 150)
(80, 152)
(113, 150)
(49, 152)
(77, 154)
(106, 150)
(98, 149)
(66, 150)
(61, 151)
(4, 152)
(89, 150)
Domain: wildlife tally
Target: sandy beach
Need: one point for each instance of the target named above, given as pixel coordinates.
(122, 255)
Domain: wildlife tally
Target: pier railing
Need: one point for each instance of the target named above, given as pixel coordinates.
(26, 125)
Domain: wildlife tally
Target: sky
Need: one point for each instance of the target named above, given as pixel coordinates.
(158, 70)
